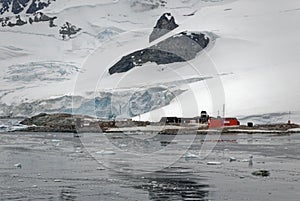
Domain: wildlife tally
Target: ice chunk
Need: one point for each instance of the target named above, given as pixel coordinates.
(231, 159)
(214, 163)
(100, 168)
(103, 152)
(123, 145)
(18, 165)
(190, 155)
(2, 126)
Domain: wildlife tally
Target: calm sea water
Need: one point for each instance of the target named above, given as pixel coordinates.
(58, 166)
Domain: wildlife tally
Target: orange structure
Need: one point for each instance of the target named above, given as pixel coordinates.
(222, 122)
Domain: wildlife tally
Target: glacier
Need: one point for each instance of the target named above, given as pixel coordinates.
(253, 56)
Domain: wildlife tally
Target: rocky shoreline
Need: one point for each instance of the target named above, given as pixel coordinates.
(68, 123)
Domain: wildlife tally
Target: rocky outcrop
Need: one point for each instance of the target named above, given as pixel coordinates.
(20, 21)
(41, 17)
(44, 119)
(61, 122)
(51, 123)
(178, 48)
(11, 22)
(32, 8)
(18, 6)
(165, 24)
(68, 30)
(37, 5)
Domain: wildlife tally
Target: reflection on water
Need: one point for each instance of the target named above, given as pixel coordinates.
(68, 194)
(50, 157)
(174, 183)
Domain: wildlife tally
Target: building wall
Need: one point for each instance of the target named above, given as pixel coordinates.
(220, 122)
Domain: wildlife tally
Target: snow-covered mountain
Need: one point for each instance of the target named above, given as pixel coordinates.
(56, 56)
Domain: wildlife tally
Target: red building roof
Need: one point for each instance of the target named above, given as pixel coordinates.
(222, 122)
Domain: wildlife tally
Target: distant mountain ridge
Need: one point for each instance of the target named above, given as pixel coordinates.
(18, 6)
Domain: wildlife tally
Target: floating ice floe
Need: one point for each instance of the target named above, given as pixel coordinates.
(231, 159)
(123, 145)
(18, 165)
(190, 155)
(103, 152)
(294, 130)
(2, 126)
(214, 163)
(100, 168)
(245, 160)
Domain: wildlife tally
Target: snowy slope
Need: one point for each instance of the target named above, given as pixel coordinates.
(259, 47)
(32, 54)
(252, 61)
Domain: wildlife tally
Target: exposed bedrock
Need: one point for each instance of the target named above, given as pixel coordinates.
(178, 48)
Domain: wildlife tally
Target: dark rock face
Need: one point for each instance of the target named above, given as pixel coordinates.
(44, 119)
(178, 48)
(35, 18)
(140, 57)
(41, 17)
(51, 123)
(165, 24)
(7, 21)
(5, 6)
(17, 6)
(37, 5)
(58, 122)
(68, 30)
(62, 122)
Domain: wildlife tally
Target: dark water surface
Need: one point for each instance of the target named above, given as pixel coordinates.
(57, 166)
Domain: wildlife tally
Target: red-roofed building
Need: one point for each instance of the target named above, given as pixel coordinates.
(222, 122)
